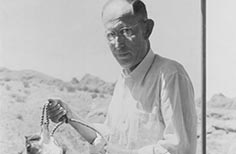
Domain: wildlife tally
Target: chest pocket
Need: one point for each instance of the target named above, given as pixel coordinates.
(151, 127)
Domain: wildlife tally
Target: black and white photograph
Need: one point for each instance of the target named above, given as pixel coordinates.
(117, 77)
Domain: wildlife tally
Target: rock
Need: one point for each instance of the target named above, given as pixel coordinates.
(221, 101)
(232, 148)
(94, 84)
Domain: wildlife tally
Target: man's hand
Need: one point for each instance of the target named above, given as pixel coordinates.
(57, 109)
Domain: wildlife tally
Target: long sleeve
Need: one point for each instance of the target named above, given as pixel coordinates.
(179, 116)
(98, 143)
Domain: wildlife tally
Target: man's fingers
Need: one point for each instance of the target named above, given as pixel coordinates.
(53, 102)
(57, 115)
(54, 105)
(55, 111)
(54, 108)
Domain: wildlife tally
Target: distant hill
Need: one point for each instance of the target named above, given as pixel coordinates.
(23, 93)
(95, 84)
(221, 101)
(28, 76)
(88, 83)
(218, 101)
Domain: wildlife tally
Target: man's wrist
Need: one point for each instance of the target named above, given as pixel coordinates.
(95, 140)
(72, 116)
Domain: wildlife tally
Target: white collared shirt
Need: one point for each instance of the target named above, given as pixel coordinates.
(152, 109)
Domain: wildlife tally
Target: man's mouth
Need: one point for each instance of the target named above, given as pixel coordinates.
(123, 55)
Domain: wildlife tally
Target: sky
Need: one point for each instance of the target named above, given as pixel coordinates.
(221, 47)
(65, 39)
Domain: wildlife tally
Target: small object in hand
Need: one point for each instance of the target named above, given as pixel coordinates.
(42, 144)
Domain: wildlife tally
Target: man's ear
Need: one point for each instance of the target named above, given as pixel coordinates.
(149, 23)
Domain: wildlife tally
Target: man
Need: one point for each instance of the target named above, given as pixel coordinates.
(152, 110)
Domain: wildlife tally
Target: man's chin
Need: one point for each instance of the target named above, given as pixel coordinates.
(124, 65)
(128, 66)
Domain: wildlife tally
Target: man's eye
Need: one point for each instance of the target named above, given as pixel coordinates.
(111, 36)
(127, 32)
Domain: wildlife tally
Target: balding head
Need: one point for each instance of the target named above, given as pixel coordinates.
(127, 29)
(114, 9)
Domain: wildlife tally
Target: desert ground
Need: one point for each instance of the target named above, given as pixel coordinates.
(23, 93)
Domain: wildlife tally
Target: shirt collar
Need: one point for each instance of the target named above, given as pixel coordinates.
(142, 68)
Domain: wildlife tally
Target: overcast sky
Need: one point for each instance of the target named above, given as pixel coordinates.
(65, 39)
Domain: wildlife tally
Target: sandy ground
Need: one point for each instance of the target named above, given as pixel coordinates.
(22, 95)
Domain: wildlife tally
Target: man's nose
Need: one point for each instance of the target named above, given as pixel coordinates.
(119, 41)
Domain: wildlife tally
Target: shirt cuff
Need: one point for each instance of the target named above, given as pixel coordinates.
(97, 140)
(97, 146)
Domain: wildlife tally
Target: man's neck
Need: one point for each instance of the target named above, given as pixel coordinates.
(129, 70)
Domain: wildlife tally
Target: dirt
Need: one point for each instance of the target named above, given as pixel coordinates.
(23, 93)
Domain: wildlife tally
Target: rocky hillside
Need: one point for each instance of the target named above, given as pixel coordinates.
(221, 101)
(23, 93)
(28, 76)
(88, 83)
(221, 124)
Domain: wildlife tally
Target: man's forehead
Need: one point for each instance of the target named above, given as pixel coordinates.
(121, 22)
(117, 9)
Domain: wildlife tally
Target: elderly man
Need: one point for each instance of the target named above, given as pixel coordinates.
(152, 110)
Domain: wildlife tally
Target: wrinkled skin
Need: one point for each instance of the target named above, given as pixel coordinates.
(42, 144)
(128, 52)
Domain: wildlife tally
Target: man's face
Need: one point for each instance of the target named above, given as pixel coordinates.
(124, 33)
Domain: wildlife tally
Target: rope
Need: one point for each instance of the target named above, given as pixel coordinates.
(47, 117)
(64, 120)
(42, 116)
(88, 126)
(55, 128)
